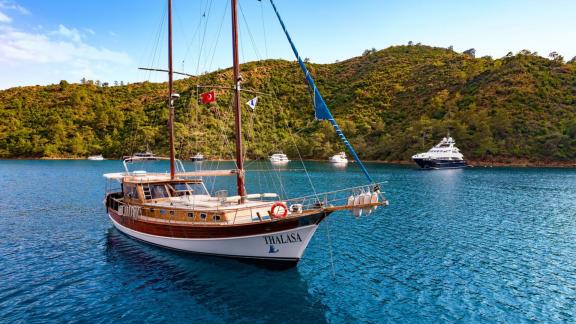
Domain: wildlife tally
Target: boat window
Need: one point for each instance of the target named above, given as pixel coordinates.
(130, 191)
(203, 216)
(180, 186)
(197, 188)
(158, 191)
(216, 218)
(191, 215)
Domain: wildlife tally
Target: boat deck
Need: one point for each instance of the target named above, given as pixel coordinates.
(236, 212)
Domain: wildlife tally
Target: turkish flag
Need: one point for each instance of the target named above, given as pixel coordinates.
(208, 97)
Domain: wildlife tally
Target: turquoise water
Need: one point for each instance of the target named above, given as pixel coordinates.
(474, 245)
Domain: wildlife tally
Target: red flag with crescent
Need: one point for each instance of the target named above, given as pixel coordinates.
(208, 97)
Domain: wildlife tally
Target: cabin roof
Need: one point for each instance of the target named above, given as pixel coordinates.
(139, 177)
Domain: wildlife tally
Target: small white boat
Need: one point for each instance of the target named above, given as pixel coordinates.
(197, 157)
(96, 157)
(148, 155)
(279, 158)
(339, 158)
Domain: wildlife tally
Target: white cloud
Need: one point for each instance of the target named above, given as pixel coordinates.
(62, 54)
(4, 18)
(14, 6)
(72, 34)
(17, 46)
(41, 56)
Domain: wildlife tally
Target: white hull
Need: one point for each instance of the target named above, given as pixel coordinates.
(286, 245)
(339, 158)
(279, 161)
(279, 158)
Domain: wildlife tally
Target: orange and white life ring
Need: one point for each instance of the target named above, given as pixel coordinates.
(278, 214)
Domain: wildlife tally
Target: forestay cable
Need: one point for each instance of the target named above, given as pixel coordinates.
(321, 109)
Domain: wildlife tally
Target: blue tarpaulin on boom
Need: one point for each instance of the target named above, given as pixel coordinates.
(321, 110)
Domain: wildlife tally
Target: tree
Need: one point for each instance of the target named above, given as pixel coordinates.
(471, 52)
(369, 51)
(556, 57)
(410, 43)
(63, 85)
(83, 81)
(451, 48)
(97, 83)
(115, 83)
(525, 52)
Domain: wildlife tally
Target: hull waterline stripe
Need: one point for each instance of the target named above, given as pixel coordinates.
(213, 239)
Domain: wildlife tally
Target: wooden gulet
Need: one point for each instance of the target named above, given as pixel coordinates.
(176, 210)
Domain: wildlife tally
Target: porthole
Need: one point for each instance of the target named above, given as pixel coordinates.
(203, 216)
(216, 218)
(191, 215)
(171, 213)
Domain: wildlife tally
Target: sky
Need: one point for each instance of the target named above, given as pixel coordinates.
(43, 42)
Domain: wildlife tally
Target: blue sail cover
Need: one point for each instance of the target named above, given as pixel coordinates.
(321, 110)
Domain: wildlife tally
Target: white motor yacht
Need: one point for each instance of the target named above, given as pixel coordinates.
(444, 155)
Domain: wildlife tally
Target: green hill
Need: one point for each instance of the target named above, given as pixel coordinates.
(391, 104)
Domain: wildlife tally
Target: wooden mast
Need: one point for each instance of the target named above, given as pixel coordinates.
(170, 91)
(237, 107)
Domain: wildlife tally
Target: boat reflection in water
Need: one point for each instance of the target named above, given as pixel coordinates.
(222, 289)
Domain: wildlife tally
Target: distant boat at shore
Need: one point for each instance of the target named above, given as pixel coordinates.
(98, 157)
(198, 157)
(148, 155)
(279, 158)
(339, 158)
(444, 155)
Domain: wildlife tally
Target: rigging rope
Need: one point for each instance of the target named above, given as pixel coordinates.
(204, 15)
(249, 33)
(327, 222)
(264, 28)
(217, 38)
(154, 57)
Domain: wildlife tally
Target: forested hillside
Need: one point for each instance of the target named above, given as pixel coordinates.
(390, 103)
